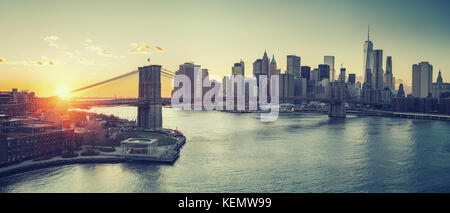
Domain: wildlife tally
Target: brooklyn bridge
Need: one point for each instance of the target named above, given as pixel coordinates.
(150, 102)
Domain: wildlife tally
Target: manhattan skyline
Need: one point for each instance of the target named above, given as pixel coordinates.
(73, 44)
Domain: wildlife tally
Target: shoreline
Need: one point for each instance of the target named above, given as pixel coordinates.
(373, 113)
(102, 158)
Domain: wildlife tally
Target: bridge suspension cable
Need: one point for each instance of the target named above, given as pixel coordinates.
(164, 72)
(106, 81)
(168, 71)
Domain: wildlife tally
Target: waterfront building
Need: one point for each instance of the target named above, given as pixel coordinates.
(18, 103)
(329, 60)
(422, 75)
(444, 103)
(413, 104)
(440, 87)
(305, 72)
(300, 86)
(293, 65)
(35, 139)
(238, 69)
(141, 148)
(286, 86)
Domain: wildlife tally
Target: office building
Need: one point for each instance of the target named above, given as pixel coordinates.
(377, 70)
(286, 87)
(238, 69)
(293, 65)
(28, 140)
(440, 87)
(368, 55)
(273, 67)
(388, 76)
(324, 72)
(342, 75)
(329, 60)
(305, 72)
(352, 78)
(422, 75)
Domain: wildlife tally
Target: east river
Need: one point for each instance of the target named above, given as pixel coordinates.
(299, 152)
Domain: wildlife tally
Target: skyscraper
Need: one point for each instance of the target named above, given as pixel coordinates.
(293, 65)
(238, 69)
(305, 72)
(388, 76)
(352, 78)
(273, 67)
(324, 72)
(422, 75)
(257, 67)
(315, 75)
(377, 70)
(342, 75)
(265, 64)
(329, 60)
(189, 69)
(401, 92)
(368, 52)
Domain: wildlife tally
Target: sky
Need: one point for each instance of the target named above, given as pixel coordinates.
(52, 45)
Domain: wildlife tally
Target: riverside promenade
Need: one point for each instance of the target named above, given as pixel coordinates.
(169, 157)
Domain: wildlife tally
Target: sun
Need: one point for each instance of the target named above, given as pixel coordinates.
(63, 92)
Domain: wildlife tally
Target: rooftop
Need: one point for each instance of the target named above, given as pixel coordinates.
(147, 141)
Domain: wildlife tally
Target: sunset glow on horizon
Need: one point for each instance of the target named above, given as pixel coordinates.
(78, 43)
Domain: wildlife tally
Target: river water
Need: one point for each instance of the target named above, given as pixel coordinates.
(299, 152)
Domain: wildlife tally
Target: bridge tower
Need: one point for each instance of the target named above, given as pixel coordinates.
(149, 103)
(337, 100)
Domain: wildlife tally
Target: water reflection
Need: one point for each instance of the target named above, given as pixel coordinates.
(308, 152)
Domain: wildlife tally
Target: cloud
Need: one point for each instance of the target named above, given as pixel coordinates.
(51, 40)
(159, 49)
(143, 48)
(77, 56)
(4, 61)
(44, 61)
(99, 50)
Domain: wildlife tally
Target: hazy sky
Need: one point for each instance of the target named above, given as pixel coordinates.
(47, 44)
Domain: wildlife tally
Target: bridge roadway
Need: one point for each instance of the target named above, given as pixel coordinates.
(167, 101)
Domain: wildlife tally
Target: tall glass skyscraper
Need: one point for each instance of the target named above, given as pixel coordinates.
(293, 65)
(388, 76)
(377, 70)
(368, 54)
(329, 60)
